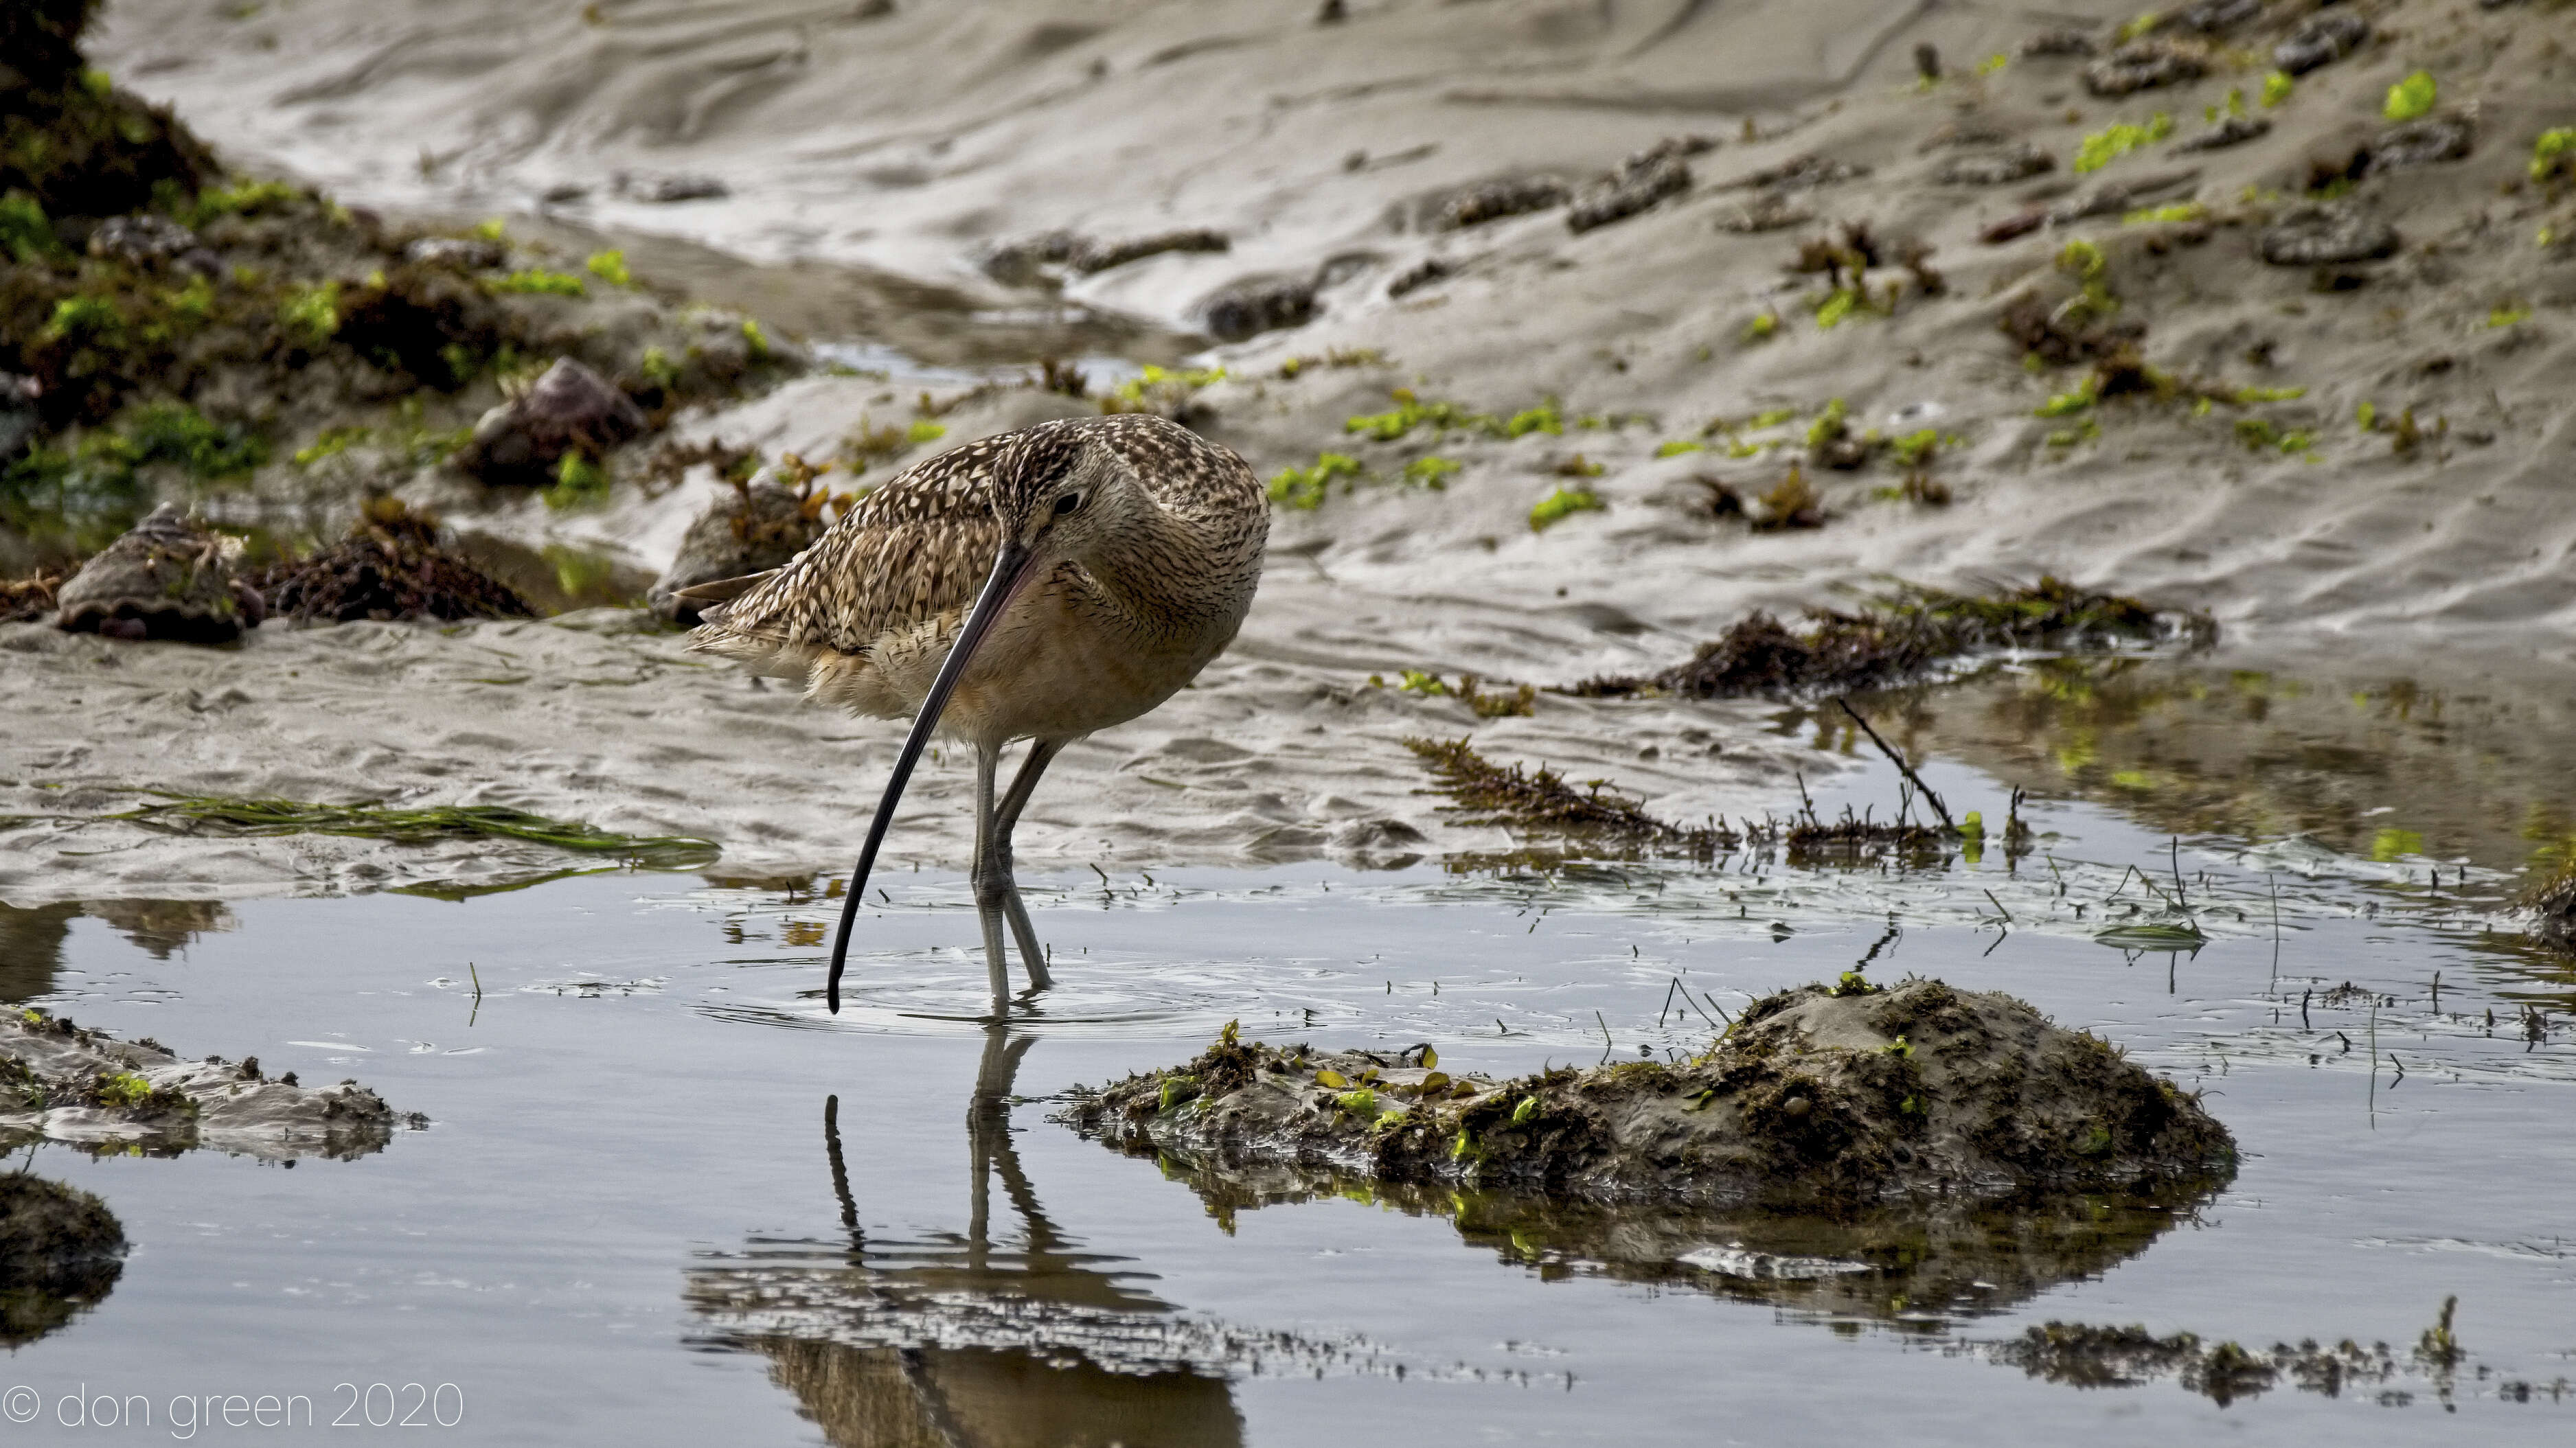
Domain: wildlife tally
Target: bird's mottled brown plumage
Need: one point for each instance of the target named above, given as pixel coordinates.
(856, 615)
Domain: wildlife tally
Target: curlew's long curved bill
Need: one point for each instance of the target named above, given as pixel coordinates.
(1008, 567)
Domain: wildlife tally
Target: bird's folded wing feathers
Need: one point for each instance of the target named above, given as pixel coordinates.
(913, 550)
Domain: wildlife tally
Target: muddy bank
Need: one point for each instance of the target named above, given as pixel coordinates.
(61, 1252)
(61, 1082)
(1817, 1099)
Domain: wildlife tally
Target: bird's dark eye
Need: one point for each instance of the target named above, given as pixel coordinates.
(1067, 504)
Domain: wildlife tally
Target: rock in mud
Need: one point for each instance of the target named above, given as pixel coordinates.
(1258, 304)
(2213, 16)
(1419, 275)
(2230, 131)
(1493, 200)
(1049, 255)
(2049, 43)
(169, 577)
(390, 569)
(1818, 1100)
(84, 1088)
(456, 253)
(571, 408)
(1997, 167)
(1640, 182)
(2423, 142)
(2321, 40)
(1769, 211)
(147, 239)
(61, 1251)
(663, 190)
(1803, 172)
(2145, 65)
(758, 526)
(2324, 235)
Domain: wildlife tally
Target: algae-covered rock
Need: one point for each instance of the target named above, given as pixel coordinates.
(61, 1251)
(1816, 1100)
(169, 577)
(1256, 304)
(2317, 234)
(758, 526)
(2552, 905)
(65, 1083)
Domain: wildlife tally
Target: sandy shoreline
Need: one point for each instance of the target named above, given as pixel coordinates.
(907, 144)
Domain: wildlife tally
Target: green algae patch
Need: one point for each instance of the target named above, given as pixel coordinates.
(227, 816)
(1813, 1102)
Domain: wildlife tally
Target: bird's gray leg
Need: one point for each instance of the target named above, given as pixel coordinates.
(991, 878)
(1024, 784)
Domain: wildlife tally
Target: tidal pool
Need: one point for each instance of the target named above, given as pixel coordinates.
(664, 1198)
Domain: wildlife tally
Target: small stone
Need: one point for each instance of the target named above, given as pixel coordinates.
(664, 190)
(1796, 1106)
(1770, 211)
(2145, 65)
(570, 407)
(1252, 305)
(2213, 16)
(2319, 40)
(2423, 141)
(457, 253)
(1997, 168)
(2230, 131)
(1493, 200)
(1640, 182)
(1419, 275)
(1927, 60)
(141, 239)
(2319, 235)
(2053, 43)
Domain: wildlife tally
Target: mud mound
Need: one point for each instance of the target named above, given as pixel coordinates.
(60, 1082)
(170, 577)
(390, 569)
(61, 1251)
(1903, 637)
(1817, 1100)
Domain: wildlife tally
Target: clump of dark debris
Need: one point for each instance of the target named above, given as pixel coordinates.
(1817, 1100)
(1541, 799)
(1903, 636)
(2552, 904)
(390, 568)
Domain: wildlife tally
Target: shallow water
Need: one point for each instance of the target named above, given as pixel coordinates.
(665, 1198)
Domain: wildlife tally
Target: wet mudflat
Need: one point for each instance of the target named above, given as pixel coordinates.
(657, 1168)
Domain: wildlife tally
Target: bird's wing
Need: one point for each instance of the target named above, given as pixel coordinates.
(911, 551)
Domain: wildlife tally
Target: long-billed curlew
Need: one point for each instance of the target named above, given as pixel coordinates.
(1117, 556)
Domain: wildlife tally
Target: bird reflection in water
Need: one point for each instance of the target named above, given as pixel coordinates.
(969, 1342)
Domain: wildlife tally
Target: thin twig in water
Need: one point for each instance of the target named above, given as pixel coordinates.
(1999, 907)
(1607, 1045)
(1906, 769)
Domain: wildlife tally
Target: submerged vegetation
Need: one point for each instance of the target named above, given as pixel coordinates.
(224, 815)
(1907, 634)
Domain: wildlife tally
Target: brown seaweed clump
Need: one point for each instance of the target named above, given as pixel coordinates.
(169, 577)
(390, 569)
(1905, 636)
(61, 1252)
(1818, 1100)
(1520, 798)
(32, 598)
